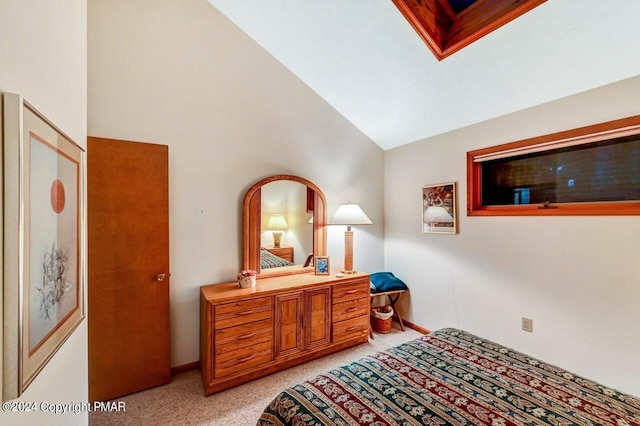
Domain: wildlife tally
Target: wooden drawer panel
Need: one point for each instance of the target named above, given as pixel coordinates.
(351, 309)
(350, 291)
(239, 355)
(241, 359)
(243, 335)
(351, 329)
(237, 313)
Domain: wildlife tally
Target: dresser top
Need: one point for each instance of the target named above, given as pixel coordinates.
(216, 293)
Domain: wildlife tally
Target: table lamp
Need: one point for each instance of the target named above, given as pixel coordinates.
(349, 214)
(277, 224)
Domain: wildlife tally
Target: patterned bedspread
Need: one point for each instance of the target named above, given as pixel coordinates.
(451, 377)
(270, 260)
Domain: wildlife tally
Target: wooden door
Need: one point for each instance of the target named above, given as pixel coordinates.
(289, 324)
(128, 267)
(318, 312)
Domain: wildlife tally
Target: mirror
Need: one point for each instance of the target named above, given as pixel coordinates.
(292, 206)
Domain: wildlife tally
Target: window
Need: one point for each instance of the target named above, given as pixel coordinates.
(593, 170)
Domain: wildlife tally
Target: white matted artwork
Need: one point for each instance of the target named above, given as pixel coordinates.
(439, 214)
(44, 289)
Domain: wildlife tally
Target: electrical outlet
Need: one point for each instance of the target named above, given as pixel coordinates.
(527, 324)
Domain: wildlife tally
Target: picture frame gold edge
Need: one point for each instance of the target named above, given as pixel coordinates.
(12, 378)
(12, 118)
(315, 265)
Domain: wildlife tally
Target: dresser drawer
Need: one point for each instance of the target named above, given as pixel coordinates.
(351, 309)
(350, 290)
(351, 329)
(243, 335)
(239, 359)
(237, 313)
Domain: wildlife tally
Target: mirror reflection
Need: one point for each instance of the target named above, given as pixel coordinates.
(284, 219)
(285, 231)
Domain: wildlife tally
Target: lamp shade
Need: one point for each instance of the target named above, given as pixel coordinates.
(350, 214)
(277, 223)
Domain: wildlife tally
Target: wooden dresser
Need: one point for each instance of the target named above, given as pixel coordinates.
(283, 321)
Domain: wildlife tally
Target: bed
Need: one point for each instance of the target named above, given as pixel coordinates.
(450, 377)
(270, 260)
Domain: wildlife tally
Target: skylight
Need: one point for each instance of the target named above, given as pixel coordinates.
(460, 5)
(449, 25)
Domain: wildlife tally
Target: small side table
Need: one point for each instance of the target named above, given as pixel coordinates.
(393, 296)
(285, 252)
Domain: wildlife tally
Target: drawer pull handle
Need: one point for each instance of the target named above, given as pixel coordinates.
(355, 290)
(250, 311)
(246, 358)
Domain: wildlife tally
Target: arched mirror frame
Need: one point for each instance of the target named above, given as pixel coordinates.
(251, 227)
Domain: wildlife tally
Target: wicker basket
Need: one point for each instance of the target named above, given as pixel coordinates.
(381, 317)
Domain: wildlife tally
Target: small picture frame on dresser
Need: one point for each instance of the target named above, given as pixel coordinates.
(309, 260)
(322, 265)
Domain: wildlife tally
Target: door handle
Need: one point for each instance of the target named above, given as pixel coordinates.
(161, 277)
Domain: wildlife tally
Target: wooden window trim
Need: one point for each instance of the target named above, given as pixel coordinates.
(603, 131)
(446, 32)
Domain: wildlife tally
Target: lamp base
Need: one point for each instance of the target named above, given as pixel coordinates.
(277, 237)
(349, 272)
(348, 251)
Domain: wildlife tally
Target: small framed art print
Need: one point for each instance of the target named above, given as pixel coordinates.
(439, 214)
(322, 265)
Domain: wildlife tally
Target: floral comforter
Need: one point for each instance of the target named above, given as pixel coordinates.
(451, 377)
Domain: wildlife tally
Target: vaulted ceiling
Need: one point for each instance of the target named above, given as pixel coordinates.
(365, 59)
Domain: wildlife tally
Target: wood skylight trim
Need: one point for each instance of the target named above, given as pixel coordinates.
(445, 32)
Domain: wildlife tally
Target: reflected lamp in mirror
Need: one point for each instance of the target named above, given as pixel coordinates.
(349, 214)
(277, 224)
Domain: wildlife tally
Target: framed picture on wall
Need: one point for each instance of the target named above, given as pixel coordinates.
(439, 215)
(43, 223)
(322, 265)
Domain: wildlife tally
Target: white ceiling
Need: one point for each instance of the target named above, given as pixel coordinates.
(366, 61)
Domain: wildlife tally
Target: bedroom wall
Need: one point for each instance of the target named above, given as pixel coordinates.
(44, 58)
(576, 277)
(179, 73)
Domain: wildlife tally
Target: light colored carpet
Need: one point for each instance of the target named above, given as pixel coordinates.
(182, 402)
